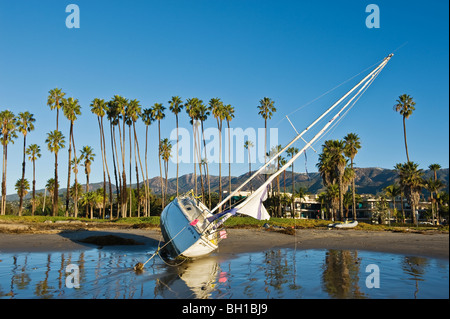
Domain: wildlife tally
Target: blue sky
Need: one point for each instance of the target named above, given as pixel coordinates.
(240, 51)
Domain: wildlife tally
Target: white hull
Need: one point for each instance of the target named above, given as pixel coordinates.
(185, 239)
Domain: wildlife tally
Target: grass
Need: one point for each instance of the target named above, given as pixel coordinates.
(233, 222)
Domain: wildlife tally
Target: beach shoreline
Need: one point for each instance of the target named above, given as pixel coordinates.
(434, 245)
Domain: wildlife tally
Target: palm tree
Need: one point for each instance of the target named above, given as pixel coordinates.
(433, 186)
(393, 191)
(411, 181)
(22, 187)
(55, 141)
(176, 105)
(71, 110)
(7, 135)
(266, 109)
(76, 191)
(50, 186)
(54, 100)
(34, 152)
(25, 125)
(165, 149)
(87, 157)
(114, 117)
(248, 145)
(89, 200)
(192, 111)
(229, 115)
(335, 150)
(218, 111)
(99, 107)
(158, 115)
(405, 106)
(203, 113)
(291, 151)
(435, 168)
(351, 147)
(120, 104)
(147, 118)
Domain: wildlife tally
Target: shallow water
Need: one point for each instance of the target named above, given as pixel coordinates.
(282, 274)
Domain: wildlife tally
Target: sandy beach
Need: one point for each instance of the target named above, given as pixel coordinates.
(431, 244)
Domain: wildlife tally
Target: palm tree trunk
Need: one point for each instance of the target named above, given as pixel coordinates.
(55, 191)
(3, 212)
(229, 162)
(147, 199)
(75, 204)
(33, 204)
(107, 171)
(160, 169)
(129, 135)
(140, 164)
(66, 214)
(102, 147)
(114, 151)
(176, 116)
(220, 166)
(23, 175)
(207, 168)
(124, 176)
(354, 193)
(404, 133)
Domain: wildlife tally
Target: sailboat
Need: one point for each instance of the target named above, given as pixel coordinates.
(191, 230)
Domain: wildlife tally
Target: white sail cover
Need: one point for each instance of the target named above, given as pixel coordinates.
(253, 205)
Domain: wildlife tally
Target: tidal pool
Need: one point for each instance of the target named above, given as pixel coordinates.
(281, 274)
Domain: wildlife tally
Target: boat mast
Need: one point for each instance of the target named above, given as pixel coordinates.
(371, 75)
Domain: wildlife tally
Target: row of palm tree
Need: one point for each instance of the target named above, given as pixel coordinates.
(120, 113)
(336, 174)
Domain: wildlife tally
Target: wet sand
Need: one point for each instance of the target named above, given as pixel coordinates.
(434, 245)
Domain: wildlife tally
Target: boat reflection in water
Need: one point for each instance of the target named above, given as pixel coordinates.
(192, 279)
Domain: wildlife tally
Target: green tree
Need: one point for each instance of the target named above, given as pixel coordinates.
(158, 115)
(405, 106)
(22, 187)
(24, 125)
(148, 119)
(411, 181)
(54, 100)
(266, 109)
(393, 191)
(99, 107)
(72, 110)
(218, 111)
(229, 115)
(165, 149)
(34, 152)
(87, 157)
(55, 141)
(351, 146)
(175, 106)
(248, 145)
(7, 134)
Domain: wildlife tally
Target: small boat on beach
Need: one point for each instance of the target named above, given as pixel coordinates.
(344, 225)
(190, 229)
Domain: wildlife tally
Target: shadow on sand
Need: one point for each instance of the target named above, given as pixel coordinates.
(111, 240)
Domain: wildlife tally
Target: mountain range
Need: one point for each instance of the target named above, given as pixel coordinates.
(369, 180)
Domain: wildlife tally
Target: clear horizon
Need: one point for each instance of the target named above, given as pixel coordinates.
(239, 51)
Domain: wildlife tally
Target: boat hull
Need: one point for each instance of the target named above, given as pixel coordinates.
(184, 237)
